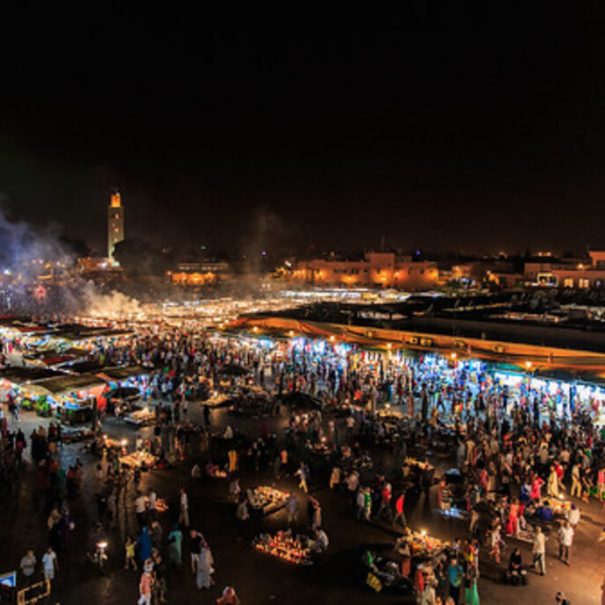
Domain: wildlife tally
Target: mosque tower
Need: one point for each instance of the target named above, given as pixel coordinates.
(115, 223)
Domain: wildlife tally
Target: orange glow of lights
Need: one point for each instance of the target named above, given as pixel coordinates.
(116, 200)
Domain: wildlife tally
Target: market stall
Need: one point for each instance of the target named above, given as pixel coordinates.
(284, 546)
(139, 418)
(71, 398)
(70, 434)
(559, 506)
(422, 545)
(319, 448)
(391, 413)
(415, 464)
(139, 459)
(267, 499)
(251, 400)
(19, 383)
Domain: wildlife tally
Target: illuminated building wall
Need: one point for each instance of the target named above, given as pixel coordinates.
(589, 274)
(377, 269)
(199, 273)
(181, 278)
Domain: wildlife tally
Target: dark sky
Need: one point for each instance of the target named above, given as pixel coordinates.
(445, 125)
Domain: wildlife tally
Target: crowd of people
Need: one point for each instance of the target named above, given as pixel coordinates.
(526, 457)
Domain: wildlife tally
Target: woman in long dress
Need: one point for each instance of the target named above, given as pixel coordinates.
(553, 483)
(175, 543)
(205, 568)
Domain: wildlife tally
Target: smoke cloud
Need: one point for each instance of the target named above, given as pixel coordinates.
(24, 249)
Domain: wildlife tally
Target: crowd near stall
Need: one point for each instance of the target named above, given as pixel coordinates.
(503, 451)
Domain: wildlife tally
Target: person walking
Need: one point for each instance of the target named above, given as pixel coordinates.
(471, 593)
(50, 564)
(228, 597)
(175, 546)
(496, 544)
(539, 551)
(145, 587)
(205, 568)
(573, 516)
(129, 554)
(565, 541)
(233, 461)
(400, 511)
(292, 508)
(144, 545)
(234, 489)
(140, 509)
(316, 517)
(195, 548)
(303, 475)
(455, 575)
(335, 477)
(184, 509)
(576, 481)
(28, 566)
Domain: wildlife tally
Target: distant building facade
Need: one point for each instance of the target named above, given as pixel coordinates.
(115, 223)
(202, 273)
(376, 269)
(577, 274)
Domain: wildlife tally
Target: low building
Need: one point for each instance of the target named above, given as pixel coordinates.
(203, 273)
(375, 269)
(579, 273)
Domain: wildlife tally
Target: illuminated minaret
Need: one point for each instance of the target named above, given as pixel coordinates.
(115, 223)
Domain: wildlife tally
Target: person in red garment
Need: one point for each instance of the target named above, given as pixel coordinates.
(229, 597)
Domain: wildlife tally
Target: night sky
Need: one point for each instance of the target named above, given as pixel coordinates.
(445, 126)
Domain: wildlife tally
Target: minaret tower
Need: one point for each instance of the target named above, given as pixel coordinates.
(115, 223)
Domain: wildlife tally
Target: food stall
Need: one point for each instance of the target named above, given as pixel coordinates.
(422, 545)
(139, 459)
(251, 400)
(560, 507)
(45, 358)
(391, 413)
(20, 384)
(139, 418)
(414, 463)
(267, 499)
(125, 376)
(284, 546)
(319, 448)
(71, 398)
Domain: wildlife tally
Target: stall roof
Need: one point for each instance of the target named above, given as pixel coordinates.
(7, 319)
(65, 383)
(83, 366)
(46, 354)
(20, 375)
(121, 373)
(86, 333)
